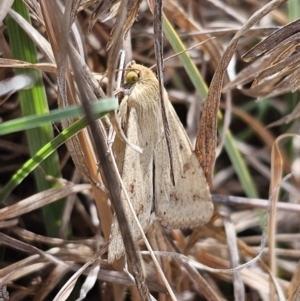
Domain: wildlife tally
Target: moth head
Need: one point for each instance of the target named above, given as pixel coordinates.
(132, 77)
(138, 75)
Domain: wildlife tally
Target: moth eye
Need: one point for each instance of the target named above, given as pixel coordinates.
(132, 77)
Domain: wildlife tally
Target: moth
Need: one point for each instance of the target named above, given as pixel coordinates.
(146, 176)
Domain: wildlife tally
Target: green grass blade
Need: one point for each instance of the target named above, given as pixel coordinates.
(34, 101)
(33, 121)
(44, 153)
(185, 58)
(236, 159)
(293, 9)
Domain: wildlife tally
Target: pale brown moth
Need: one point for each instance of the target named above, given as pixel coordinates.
(147, 176)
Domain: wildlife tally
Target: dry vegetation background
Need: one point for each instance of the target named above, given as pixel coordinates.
(36, 263)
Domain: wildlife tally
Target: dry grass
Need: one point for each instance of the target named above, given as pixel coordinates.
(199, 262)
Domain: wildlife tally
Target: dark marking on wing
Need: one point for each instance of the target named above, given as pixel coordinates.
(186, 167)
(131, 188)
(174, 197)
(196, 197)
(141, 209)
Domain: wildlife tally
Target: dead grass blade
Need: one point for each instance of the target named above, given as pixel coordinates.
(276, 175)
(5, 5)
(288, 118)
(64, 25)
(33, 238)
(247, 252)
(239, 290)
(235, 201)
(278, 71)
(249, 73)
(90, 280)
(10, 63)
(4, 293)
(9, 224)
(132, 10)
(175, 13)
(35, 9)
(39, 200)
(5, 272)
(16, 83)
(295, 80)
(253, 32)
(199, 282)
(282, 67)
(158, 47)
(19, 245)
(66, 290)
(280, 62)
(272, 40)
(228, 10)
(276, 178)
(23, 271)
(54, 277)
(107, 10)
(265, 135)
(294, 288)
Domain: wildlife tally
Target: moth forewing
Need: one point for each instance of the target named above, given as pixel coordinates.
(139, 118)
(188, 203)
(137, 175)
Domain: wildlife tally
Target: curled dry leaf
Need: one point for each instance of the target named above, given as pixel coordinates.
(276, 178)
(277, 71)
(272, 40)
